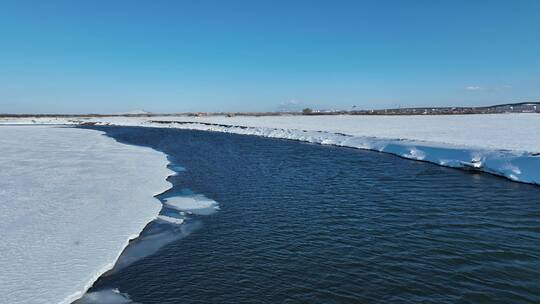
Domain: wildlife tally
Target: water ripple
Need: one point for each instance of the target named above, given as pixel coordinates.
(303, 223)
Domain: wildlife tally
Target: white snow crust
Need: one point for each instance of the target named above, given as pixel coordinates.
(503, 144)
(519, 132)
(512, 131)
(71, 199)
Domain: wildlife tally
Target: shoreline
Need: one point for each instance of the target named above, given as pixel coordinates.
(494, 162)
(514, 165)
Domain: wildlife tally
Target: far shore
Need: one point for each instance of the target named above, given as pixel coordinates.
(522, 107)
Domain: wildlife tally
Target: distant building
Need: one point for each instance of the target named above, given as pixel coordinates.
(530, 107)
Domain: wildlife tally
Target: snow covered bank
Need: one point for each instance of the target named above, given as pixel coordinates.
(515, 165)
(518, 132)
(71, 201)
(503, 144)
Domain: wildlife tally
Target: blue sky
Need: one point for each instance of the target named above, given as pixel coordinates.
(200, 55)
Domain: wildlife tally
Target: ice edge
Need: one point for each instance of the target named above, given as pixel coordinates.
(496, 162)
(79, 294)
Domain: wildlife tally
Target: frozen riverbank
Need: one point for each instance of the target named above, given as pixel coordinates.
(517, 132)
(503, 144)
(71, 201)
(305, 223)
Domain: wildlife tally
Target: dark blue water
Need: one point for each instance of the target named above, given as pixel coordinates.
(303, 223)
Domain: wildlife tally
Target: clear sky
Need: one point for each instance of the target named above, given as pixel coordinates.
(78, 56)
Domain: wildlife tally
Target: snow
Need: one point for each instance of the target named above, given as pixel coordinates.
(73, 198)
(71, 201)
(519, 132)
(515, 165)
(503, 144)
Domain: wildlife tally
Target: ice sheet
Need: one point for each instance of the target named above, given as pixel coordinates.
(71, 199)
